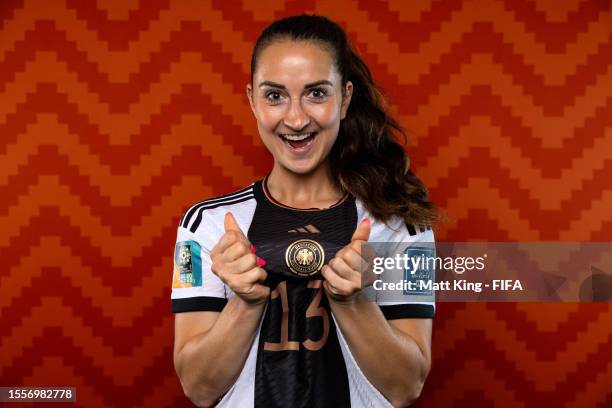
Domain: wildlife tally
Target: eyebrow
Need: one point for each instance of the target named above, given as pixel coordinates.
(310, 85)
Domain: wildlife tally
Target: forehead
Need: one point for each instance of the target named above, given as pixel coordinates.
(294, 62)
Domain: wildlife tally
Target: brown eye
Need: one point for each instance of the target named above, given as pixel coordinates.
(273, 97)
(318, 93)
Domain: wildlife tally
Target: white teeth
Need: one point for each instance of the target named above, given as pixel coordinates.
(297, 138)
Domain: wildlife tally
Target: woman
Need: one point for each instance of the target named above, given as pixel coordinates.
(272, 275)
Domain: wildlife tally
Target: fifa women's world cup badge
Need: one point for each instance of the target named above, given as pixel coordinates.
(187, 265)
(184, 264)
(304, 257)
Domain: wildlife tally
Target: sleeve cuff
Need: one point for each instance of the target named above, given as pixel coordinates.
(198, 304)
(408, 311)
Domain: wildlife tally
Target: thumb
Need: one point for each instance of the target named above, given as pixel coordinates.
(230, 223)
(362, 232)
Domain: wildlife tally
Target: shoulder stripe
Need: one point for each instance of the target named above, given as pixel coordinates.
(188, 214)
(198, 220)
(411, 229)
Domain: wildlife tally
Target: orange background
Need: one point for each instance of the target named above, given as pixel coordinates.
(114, 116)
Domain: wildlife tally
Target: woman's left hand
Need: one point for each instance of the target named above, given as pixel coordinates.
(348, 272)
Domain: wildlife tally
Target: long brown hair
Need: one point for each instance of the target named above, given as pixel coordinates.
(367, 160)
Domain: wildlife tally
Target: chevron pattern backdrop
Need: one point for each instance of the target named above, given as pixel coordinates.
(115, 116)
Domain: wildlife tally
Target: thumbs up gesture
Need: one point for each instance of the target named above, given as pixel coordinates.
(235, 263)
(346, 274)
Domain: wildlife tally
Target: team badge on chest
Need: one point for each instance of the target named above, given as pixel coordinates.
(304, 257)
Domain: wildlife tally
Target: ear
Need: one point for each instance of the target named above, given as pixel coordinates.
(346, 99)
(249, 92)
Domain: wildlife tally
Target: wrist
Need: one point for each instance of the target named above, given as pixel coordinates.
(250, 303)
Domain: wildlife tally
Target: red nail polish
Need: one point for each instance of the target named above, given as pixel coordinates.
(261, 262)
(253, 249)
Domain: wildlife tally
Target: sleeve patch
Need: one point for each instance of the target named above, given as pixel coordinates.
(419, 269)
(187, 265)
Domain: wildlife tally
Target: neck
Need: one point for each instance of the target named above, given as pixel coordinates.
(312, 190)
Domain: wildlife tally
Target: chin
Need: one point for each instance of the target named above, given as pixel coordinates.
(305, 167)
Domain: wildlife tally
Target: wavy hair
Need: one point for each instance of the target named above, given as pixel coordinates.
(368, 161)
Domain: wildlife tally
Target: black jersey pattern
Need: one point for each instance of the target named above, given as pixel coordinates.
(299, 360)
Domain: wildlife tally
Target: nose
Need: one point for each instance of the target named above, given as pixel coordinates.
(296, 118)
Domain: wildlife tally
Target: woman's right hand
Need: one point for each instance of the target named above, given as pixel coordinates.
(235, 263)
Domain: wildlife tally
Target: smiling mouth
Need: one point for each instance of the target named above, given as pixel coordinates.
(298, 140)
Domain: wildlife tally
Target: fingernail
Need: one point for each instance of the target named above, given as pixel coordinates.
(253, 249)
(366, 219)
(261, 262)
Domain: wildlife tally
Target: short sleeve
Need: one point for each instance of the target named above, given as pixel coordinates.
(406, 290)
(194, 286)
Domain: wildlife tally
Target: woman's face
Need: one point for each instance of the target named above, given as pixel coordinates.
(298, 103)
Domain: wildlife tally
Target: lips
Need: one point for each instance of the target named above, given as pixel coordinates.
(298, 142)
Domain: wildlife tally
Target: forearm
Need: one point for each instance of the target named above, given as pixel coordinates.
(210, 362)
(392, 361)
